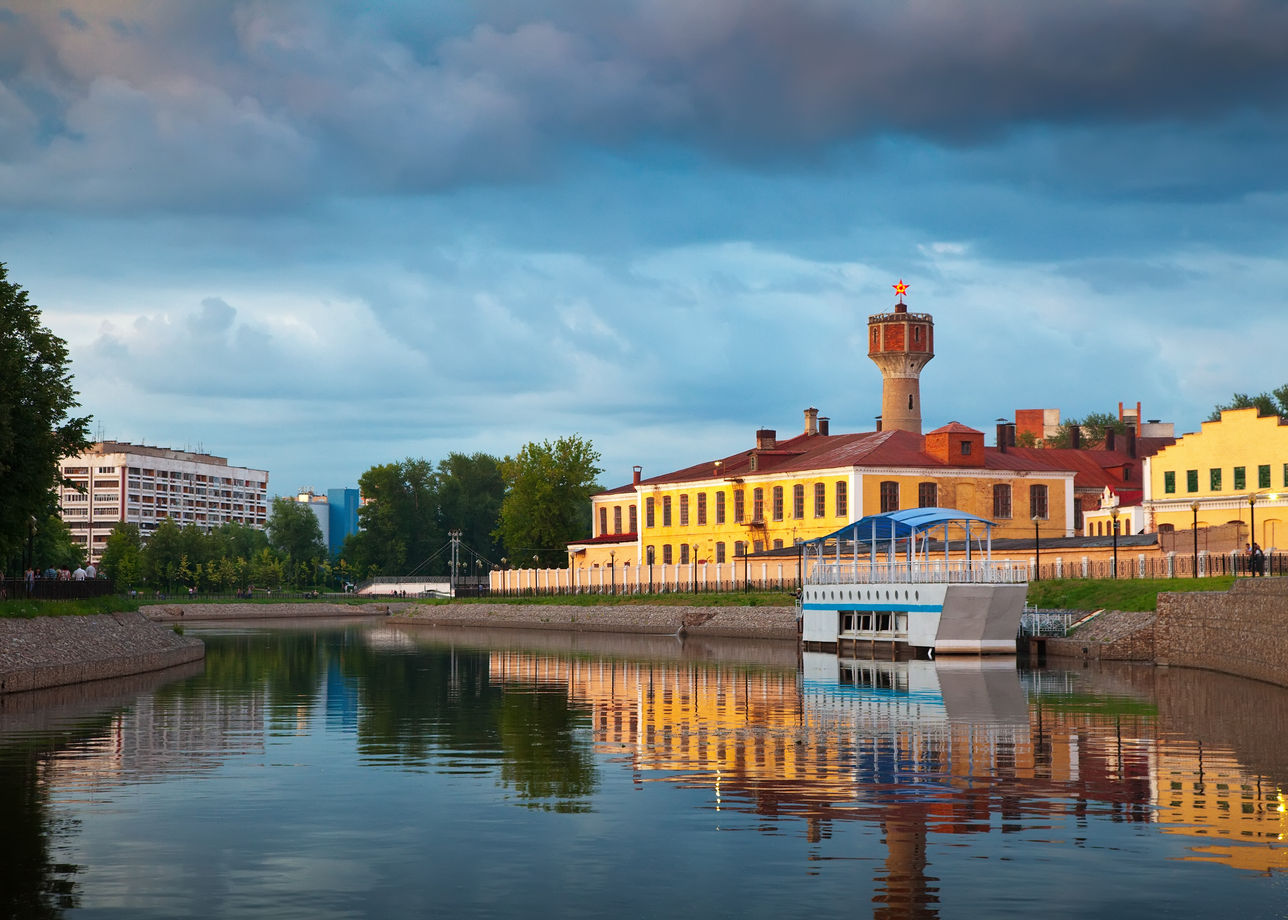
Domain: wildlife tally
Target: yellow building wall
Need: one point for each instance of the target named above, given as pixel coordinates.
(862, 490)
(1239, 440)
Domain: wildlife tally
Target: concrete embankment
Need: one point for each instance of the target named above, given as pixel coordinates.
(737, 622)
(167, 613)
(53, 651)
(1243, 631)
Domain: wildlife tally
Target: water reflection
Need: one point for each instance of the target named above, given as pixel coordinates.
(914, 773)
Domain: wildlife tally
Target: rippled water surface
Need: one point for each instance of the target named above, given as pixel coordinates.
(370, 770)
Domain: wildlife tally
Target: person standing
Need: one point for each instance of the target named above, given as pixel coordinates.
(91, 572)
(1258, 560)
(29, 577)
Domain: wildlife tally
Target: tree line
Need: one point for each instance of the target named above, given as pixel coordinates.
(529, 505)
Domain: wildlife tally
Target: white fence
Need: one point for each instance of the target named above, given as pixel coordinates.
(904, 573)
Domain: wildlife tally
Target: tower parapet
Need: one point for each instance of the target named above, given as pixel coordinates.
(901, 344)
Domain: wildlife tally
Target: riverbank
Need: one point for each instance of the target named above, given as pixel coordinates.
(640, 619)
(55, 651)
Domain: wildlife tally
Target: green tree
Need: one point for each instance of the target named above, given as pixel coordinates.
(1092, 430)
(122, 559)
(36, 431)
(400, 520)
(470, 491)
(294, 533)
(55, 546)
(547, 499)
(1273, 403)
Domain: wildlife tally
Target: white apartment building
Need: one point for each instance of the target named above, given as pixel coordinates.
(115, 481)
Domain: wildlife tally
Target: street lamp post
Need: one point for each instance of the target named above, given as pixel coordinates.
(1037, 551)
(1252, 519)
(650, 570)
(612, 570)
(1195, 559)
(695, 568)
(1114, 516)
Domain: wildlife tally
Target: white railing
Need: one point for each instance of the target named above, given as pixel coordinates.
(905, 573)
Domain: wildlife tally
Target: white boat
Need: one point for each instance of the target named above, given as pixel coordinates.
(875, 583)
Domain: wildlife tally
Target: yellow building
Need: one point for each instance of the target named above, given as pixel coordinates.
(780, 493)
(1232, 471)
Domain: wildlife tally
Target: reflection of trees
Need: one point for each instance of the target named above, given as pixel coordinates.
(31, 883)
(440, 702)
(544, 757)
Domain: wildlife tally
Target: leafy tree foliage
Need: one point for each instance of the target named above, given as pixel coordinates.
(36, 396)
(547, 500)
(54, 546)
(470, 491)
(1273, 403)
(400, 522)
(122, 559)
(1093, 429)
(294, 532)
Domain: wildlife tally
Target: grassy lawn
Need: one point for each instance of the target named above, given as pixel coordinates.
(1123, 594)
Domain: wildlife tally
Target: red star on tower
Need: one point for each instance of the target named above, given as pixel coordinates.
(901, 289)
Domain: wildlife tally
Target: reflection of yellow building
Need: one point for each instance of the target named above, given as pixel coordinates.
(1217, 471)
(874, 746)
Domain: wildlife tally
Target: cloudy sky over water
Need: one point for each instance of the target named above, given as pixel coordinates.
(312, 237)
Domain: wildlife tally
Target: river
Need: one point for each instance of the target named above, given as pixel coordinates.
(365, 769)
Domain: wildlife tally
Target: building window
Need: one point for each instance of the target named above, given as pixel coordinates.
(757, 505)
(798, 501)
(1263, 476)
(684, 554)
(603, 520)
(720, 553)
(778, 544)
(820, 499)
(617, 519)
(666, 554)
(739, 505)
(720, 507)
(778, 503)
(739, 548)
(634, 521)
(1286, 475)
(1038, 502)
(649, 519)
(927, 495)
(842, 501)
(1214, 479)
(889, 496)
(1169, 482)
(758, 546)
(1001, 500)
(702, 508)
(1191, 480)
(1240, 479)
(684, 510)
(965, 448)
(666, 511)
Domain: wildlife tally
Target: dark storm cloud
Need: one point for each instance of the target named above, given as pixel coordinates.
(252, 104)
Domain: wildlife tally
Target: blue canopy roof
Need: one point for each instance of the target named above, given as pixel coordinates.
(901, 524)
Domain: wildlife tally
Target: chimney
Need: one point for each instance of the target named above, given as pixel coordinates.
(1109, 438)
(878, 423)
(766, 439)
(811, 421)
(638, 470)
(1001, 436)
(717, 467)
(823, 424)
(1131, 442)
(1075, 437)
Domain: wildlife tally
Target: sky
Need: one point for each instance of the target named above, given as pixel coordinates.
(316, 237)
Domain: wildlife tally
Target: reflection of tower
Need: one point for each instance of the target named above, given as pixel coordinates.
(901, 343)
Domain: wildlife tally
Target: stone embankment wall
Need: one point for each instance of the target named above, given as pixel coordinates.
(166, 613)
(743, 622)
(1115, 635)
(1243, 631)
(52, 651)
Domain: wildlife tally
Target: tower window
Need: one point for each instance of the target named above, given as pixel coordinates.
(965, 448)
(909, 400)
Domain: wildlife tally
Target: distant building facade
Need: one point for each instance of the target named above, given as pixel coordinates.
(116, 482)
(337, 514)
(1231, 472)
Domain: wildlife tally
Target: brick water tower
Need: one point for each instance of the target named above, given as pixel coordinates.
(901, 343)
